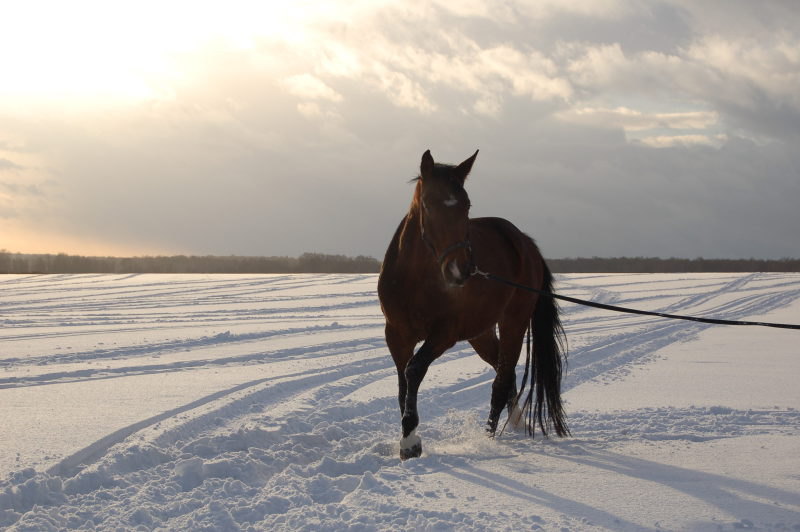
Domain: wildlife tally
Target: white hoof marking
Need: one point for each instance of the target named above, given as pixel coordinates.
(410, 441)
(517, 417)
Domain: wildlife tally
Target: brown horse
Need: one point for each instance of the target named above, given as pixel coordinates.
(429, 293)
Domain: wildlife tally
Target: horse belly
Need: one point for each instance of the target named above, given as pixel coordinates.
(480, 311)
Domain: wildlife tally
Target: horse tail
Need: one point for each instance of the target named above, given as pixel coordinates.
(545, 367)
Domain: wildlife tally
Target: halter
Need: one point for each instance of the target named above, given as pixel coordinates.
(466, 244)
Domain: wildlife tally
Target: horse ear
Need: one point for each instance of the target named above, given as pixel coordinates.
(426, 166)
(465, 167)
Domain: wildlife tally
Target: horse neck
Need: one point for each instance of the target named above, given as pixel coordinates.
(411, 247)
(411, 236)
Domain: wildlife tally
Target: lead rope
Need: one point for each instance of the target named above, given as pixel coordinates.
(714, 321)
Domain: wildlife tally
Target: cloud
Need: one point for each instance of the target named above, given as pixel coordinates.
(749, 83)
(669, 141)
(16, 198)
(309, 87)
(18, 189)
(529, 74)
(6, 164)
(598, 66)
(754, 81)
(400, 89)
(413, 67)
(633, 120)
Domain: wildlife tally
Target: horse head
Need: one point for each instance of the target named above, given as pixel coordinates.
(444, 216)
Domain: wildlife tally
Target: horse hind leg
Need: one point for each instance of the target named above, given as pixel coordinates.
(487, 346)
(504, 391)
(517, 414)
(504, 387)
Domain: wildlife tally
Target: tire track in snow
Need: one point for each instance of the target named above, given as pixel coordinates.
(644, 337)
(697, 300)
(331, 349)
(76, 295)
(179, 345)
(285, 387)
(222, 451)
(322, 446)
(690, 424)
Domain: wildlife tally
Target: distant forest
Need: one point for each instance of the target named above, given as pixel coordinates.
(306, 263)
(322, 263)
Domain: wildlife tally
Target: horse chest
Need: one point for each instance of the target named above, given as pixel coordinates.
(414, 304)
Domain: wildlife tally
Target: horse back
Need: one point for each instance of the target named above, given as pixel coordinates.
(503, 249)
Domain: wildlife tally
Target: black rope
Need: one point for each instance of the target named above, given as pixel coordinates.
(614, 308)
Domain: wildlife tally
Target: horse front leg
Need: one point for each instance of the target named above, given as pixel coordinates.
(401, 347)
(411, 443)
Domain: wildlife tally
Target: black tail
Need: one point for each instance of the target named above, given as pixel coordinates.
(545, 366)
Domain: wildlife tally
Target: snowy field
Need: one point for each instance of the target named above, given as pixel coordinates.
(214, 402)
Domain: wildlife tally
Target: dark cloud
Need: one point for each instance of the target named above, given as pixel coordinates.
(582, 196)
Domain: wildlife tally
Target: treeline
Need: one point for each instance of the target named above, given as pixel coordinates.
(672, 265)
(323, 263)
(306, 263)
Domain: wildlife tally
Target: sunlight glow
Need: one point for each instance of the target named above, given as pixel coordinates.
(127, 50)
(20, 239)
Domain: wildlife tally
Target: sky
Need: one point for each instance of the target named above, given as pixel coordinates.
(605, 127)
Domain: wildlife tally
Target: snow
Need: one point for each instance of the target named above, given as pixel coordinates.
(268, 402)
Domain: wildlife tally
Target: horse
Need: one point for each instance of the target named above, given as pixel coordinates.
(430, 292)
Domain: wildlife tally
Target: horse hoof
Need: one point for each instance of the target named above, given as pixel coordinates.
(517, 417)
(410, 446)
(491, 427)
(415, 451)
